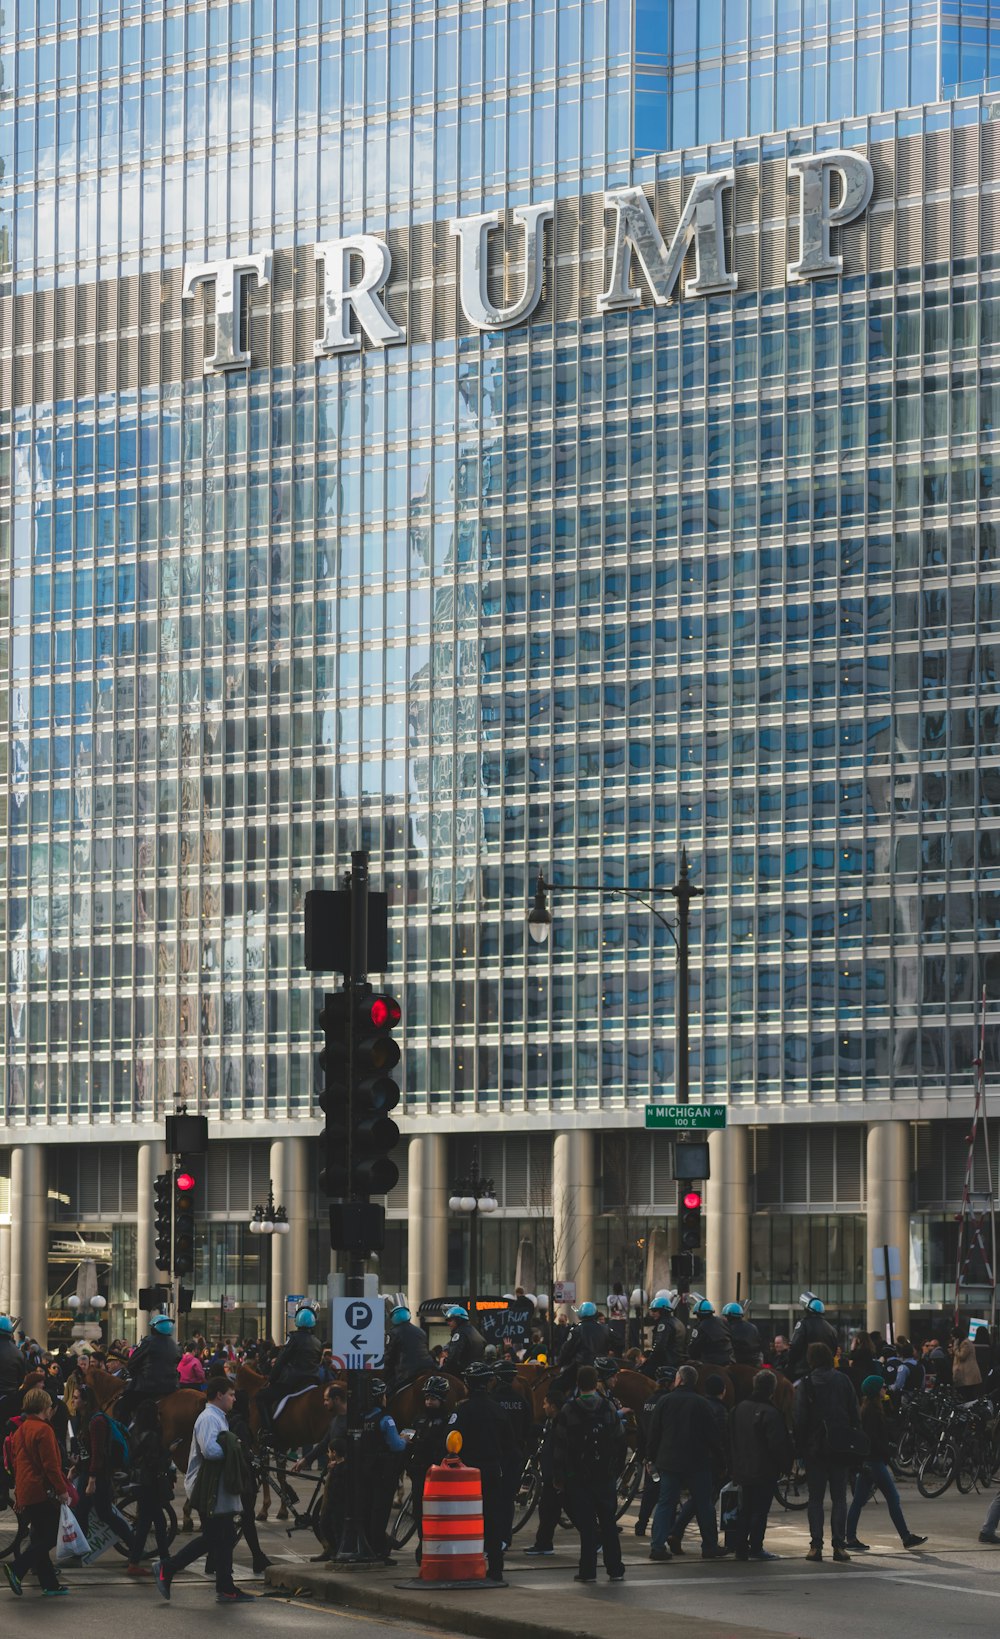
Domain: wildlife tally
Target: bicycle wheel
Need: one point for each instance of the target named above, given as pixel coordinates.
(937, 1471)
(8, 1529)
(129, 1507)
(791, 1489)
(966, 1471)
(404, 1522)
(629, 1482)
(527, 1497)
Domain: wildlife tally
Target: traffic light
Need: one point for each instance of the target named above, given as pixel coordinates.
(184, 1187)
(334, 1064)
(690, 1220)
(161, 1199)
(374, 1055)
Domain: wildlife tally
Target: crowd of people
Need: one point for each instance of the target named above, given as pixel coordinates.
(808, 1399)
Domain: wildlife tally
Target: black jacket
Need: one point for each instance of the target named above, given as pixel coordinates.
(465, 1345)
(874, 1424)
(644, 1421)
(154, 1363)
(570, 1440)
(812, 1328)
(710, 1342)
(760, 1444)
(427, 1446)
(487, 1441)
(684, 1434)
(407, 1355)
(669, 1343)
(823, 1400)
(516, 1407)
(298, 1362)
(746, 1342)
(586, 1341)
(12, 1366)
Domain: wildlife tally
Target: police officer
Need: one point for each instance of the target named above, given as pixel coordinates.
(152, 1367)
(488, 1444)
(747, 1350)
(427, 1446)
(710, 1341)
(12, 1371)
(407, 1355)
(651, 1481)
(810, 1328)
(669, 1336)
(607, 1368)
(296, 1367)
(514, 1403)
(382, 1449)
(465, 1346)
(588, 1338)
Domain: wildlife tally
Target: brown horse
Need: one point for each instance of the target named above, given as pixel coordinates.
(742, 1378)
(179, 1411)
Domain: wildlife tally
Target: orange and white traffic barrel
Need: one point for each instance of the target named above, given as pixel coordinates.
(452, 1546)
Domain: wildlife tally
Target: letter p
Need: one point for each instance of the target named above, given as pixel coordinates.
(817, 213)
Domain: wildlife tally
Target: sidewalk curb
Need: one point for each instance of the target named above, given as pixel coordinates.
(456, 1614)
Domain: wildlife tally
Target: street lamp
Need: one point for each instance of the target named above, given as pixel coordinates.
(472, 1195)
(269, 1220)
(683, 891)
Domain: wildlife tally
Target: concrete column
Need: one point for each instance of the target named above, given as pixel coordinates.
(889, 1166)
(151, 1161)
(4, 1269)
(726, 1216)
(289, 1253)
(29, 1217)
(573, 1210)
(427, 1212)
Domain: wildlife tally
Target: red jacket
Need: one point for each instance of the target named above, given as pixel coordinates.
(37, 1468)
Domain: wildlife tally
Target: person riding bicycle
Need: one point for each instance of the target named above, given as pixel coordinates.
(710, 1341)
(747, 1349)
(12, 1372)
(152, 1368)
(669, 1337)
(588, 1338)
(297, 1367)
(810, 1328)
(427, 1446)
(465, 1345)
(407, 1355)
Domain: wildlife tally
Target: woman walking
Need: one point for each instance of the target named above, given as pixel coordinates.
(39, 1489)
(875, 1473)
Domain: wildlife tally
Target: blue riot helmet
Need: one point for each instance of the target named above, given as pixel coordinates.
(456, 1312)
(810, 1301)
(400, 1315)
(662, 1302)
(733, 1311)
(162, 1323)
(703, 1307)
(587, 1311)
(305, 1320)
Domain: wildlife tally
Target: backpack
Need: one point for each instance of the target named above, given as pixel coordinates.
(118, 1447)
(599, 1448)
(838, 1440)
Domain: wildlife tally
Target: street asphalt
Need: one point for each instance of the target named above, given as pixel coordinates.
(949, 1588)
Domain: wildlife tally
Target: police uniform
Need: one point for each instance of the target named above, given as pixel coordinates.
(669, 1343)
(811, 1328)
(488, 1444)
(710, 1341)
(296, 1367)
(381, 1450)
(152, 1368)
(465, 1345)
(407, 1355)
(425, 1450)
(747, 1349)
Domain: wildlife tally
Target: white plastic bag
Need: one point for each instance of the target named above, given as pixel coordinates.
(72, 1543)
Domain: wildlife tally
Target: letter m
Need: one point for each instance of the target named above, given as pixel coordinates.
(636, 233)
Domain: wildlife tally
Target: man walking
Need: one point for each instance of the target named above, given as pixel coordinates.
(587, 1457)
(686, 1448)
(761, 1452)
(214, 1483)
(828, 1437)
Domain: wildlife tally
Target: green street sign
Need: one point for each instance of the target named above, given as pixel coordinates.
(686, 1117)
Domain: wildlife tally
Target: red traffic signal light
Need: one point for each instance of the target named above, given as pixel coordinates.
(385, 1012)
(692, 1200)
(185, 1182)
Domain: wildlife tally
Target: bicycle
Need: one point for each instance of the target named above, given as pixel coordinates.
(127, 1504)
(791, 1490)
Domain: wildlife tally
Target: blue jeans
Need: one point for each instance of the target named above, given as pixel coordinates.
(876, 1477)
(699, 1482)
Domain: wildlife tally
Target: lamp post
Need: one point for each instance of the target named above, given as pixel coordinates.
(269, 1220)
(683, 891)
(472, 1195)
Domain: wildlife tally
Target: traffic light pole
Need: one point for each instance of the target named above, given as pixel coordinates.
(354, 1547)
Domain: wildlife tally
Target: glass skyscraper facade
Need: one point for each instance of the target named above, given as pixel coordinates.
(565, 591)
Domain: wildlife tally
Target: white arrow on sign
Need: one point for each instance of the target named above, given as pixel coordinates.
(358, 1332)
